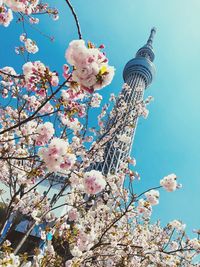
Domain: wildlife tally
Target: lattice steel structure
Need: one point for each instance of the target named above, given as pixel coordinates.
(138, 75)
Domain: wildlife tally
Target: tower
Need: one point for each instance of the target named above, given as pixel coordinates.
(138, 74)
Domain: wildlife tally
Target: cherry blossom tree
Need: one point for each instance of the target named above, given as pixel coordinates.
(45, 132)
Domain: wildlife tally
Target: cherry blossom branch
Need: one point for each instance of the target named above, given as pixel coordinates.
(11, 75)
(112, 224)
(153, 188)
(36, 29)
(37, 110)
(19, 158)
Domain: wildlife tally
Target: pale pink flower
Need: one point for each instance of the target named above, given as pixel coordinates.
(36, 73)
(93, 182)
(76, 252)
(65, 71)
(47, 108)
(68, 161)
(174, 245)
(9, 70)
(72, 123)
(96, 100)
(194, 243)
(44, 133)
(54, 79)
(25, 6)
(6, 16)
(73, 215)
(91, 66)
(144, 208)
(169, 182)
(22, 37)
(152, 197)
(31, 46)
(76, 51)
(178, 225)
(33, 20)
(57, 156)
(124, 138)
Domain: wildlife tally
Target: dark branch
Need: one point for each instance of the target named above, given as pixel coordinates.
(75, 17)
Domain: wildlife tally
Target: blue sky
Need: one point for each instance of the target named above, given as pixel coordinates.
(168, 141)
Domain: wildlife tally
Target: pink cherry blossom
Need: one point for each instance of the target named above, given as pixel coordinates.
(6, 15)
(94, 182)
(73, 215)
(57, 156)
(25, 6)
(47, 108)
(178, 225)
(33, 20)
(152, 197)
(44, 133)
(169, 183)
(65, 71)
(31, 46)
(71, 123)
(91, 66)
(144, 208)
(38, 75)
(194, 243)
(96, 100)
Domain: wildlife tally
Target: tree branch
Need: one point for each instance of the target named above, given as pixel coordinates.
(76, 18)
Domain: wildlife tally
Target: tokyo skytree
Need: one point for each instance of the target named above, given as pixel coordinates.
(138, 74)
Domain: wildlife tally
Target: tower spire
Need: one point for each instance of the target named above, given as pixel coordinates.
(151, 36)
(147, 50)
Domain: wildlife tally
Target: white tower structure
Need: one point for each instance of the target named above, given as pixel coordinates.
(138, 75)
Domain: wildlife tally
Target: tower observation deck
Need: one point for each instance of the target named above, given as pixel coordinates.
(138, 74)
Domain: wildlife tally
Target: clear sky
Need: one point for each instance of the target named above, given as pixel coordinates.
(169, 140)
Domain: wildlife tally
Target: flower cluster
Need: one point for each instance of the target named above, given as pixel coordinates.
(124, 138)
(91, 69)
(70, 99)
(144, 208)
(38, 75)
(58, 155)
(10, 260)
(152, 197)
(96, 100)
(33, 102)
(169, 183)
(44, 133)
(178, 225)
(30, 45)
(194, 244)
(29, 204)
(24, 6)
(93, 182)
(142, 110)
(44, 8)
(6, 15)
(71, 123)
(8, 75)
